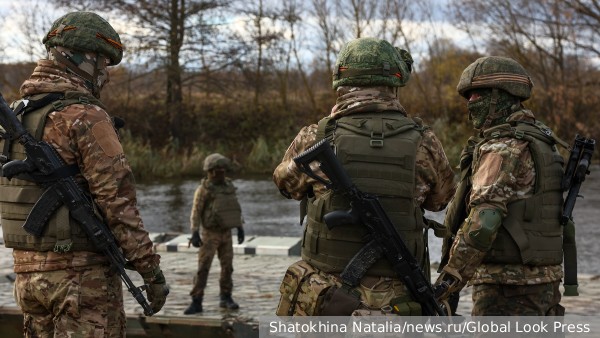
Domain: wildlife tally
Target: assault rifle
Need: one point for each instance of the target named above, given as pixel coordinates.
(575, 171)
(43, 161)
(366, 209)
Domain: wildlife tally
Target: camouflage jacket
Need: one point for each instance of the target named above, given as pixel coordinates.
(503, 173)
(434, 175)
(84, 135)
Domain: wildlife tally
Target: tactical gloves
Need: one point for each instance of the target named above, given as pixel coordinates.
(156, 288)
(195, 240)
(240, 234)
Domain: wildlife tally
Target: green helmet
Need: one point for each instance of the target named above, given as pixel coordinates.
(496, 72)
(87, 32)
(216, 160)
(367, 62)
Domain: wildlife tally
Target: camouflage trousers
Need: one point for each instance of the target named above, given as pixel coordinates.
(214, 242)
(517, 300)
(76, 302)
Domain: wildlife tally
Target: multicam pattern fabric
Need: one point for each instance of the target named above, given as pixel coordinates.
(88, 63)
(503, 173)
(518, 300)
(214, 242)
(83, 135)
(303, 291)
(74, 302)
(435, 178)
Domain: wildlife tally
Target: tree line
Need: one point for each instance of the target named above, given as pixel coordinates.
(242, 77)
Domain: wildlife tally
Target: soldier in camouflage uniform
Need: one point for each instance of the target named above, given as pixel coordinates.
(64, 286)
(509, 245)
(216, 210)
(386, 153)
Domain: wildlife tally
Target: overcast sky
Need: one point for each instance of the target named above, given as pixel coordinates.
(11, 36)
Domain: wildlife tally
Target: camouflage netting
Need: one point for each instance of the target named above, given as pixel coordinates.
(216, 160)
(496, 72)
(85, 31)
(371, 62)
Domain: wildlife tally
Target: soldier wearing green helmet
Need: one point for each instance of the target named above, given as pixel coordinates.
(387, 153)
(64, 285)
(507, 207)
(215, 211)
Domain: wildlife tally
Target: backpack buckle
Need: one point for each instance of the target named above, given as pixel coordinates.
(58, 105)
(519, 134)
(376, 140)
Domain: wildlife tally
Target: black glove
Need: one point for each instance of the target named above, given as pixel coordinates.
(240, 235)
(156, 288)
(195, 240)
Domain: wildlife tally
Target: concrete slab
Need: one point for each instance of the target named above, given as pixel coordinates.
(254, 245)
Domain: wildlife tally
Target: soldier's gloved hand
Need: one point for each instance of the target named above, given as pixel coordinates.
(448, 282)
(156, 288)
(240, 233)
(195, 240)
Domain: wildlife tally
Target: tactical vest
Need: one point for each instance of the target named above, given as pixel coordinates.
(531, 233)
(223, 211)
(18, 196)
(378, 150)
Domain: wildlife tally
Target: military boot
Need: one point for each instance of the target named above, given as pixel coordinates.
(227, 302)
(195, 307)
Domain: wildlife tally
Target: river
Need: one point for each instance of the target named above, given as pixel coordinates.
(165, 207)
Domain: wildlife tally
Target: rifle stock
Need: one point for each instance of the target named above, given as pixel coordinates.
(367, 210)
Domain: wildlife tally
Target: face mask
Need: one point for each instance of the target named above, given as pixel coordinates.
(479, 110)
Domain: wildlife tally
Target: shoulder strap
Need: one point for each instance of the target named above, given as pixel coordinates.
(325, 128)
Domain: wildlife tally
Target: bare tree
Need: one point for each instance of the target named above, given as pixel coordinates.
(162, 34)
(263, 37)
(331, 34)
(360, 14)
(34, 22)
(547, 38)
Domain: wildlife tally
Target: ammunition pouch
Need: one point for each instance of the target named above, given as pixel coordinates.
(303, 291)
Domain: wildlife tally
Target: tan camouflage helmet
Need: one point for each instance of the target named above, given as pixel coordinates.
(86, 32)
(368, 62)
(216, 160)
(496, 72)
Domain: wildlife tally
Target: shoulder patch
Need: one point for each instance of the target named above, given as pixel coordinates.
(105, 135)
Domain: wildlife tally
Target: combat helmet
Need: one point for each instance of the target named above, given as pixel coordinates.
(496, 72)
(371, 62)
(88, 32)
(216, 160)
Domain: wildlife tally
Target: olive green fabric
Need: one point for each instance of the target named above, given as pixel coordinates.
(531, 232)
(85, 31)
(223, 211)
(489, 222)
(17, 197)
(367, 62)
(216, 160)
(496, 72)
(480, 112)
(378, 150)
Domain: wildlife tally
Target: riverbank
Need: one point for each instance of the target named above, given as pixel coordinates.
(256, 278)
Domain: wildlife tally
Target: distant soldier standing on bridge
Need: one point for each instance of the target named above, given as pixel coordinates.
(386, 153)
(509, 244)
(216, 210)
(64, 286)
